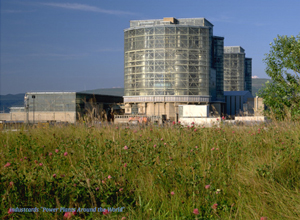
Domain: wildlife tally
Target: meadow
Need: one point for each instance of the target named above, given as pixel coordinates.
(172, 172)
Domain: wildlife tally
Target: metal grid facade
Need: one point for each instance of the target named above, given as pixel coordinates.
(234, 69)
(168, 59)
(248, 74)
(218, 65)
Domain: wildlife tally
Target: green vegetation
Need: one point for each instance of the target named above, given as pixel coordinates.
(283, 66)
(162, 173)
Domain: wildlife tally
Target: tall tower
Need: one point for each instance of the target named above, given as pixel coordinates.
(169, 62)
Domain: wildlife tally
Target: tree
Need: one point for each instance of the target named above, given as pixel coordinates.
(282, 96)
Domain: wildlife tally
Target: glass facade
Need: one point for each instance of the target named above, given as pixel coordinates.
(51, 101)
(248, 74)
(234, 69)
(167, 60)
(218, 65)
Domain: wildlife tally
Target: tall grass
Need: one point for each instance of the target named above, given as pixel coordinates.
(166, 173)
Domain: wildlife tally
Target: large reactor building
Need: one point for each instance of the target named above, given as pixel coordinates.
(171, 62)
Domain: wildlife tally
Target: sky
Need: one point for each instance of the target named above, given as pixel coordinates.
(60, 45)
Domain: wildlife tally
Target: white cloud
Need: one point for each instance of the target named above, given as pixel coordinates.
(255, 77)
(82, 7)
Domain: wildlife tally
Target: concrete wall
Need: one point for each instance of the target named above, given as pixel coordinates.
(40, 116)
(208, 122)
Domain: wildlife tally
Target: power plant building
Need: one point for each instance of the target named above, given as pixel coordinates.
(171, 62)
(237, 70)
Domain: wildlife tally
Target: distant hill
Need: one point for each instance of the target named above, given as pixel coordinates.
(7, 101)
(257, 84)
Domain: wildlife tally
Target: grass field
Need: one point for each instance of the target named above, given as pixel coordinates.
(154, 173)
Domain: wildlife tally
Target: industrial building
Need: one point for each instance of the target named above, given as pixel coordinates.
(171, 62)
(237, 69)
(63, 107)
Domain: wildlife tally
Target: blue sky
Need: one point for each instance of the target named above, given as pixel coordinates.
(58, 45)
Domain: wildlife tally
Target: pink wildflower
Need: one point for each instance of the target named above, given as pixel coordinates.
(172, 193)
(193, 123)
(173, 122)
(150, 139)
(125, 164)
(121, 189)
(41, 164)
(116, 127)
(11, 183)
(63, 175)
(161, 139)
(223, 118)
(123, 218)
(232, 132)
(192, 150)
(25, 158)
(213, 148)
(217, 119)
(263, 218)
(179, 122)
(195, 129)
(109, 177)
(207, 186)
(7, 165)
(154, 146)
(75, 185)
(54, 175)
(56, 150)
(106, 212)
(103, 181)
(140, 135)
(68, 215)
(21, 159)
(97, 188)
(196, 211)
(50, 154)
(215, 206)
(66, 154)
(196, 146)
(125, 147)
(165, 143)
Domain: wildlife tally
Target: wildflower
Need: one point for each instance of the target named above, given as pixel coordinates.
(68, 215)
(196, 146)
(134, 131)
(217, 148)
(196, 211)
(125, 164)
(41, 164)
(35, 161)
(192, 150)
(263, 218)
(207, 186)
(179, 122)
(121, 189)
(106, 212)
(7, 165)
(217, 119)
(25, 158)
(109, 177)
(170, 158)
(203, 127)
(215, 206)
(75, 185)
(63, 175)
(116, 127)
(123, 218)
(193, 123)
(125, 147)
(11, 183)
(140, 135)
(151, 129)
(56, 150)
(21, 159)
(154, 146)
(54, 175)
(50, 154)
(97, 188)
(173, 122)
(232, 132)
(165, 143)
(103, 181)
(213, 148)
(172, 193)
(10, 211)
(223, 118)
(161, 139)
(150, 139)
(66, 154)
